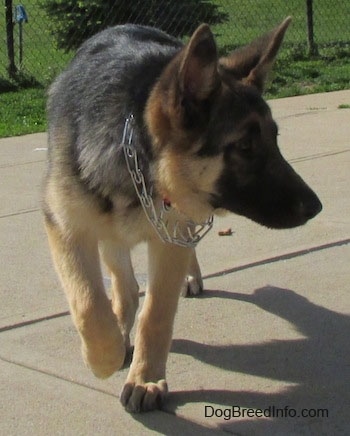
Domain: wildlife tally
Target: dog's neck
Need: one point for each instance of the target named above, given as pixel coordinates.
(167, 223)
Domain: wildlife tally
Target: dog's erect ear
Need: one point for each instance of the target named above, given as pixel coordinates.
(180, 102)
(252, 63)
(198, 75)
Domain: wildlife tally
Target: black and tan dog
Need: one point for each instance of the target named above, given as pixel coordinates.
(205, 141)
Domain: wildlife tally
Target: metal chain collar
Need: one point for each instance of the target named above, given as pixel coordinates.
(184, 233)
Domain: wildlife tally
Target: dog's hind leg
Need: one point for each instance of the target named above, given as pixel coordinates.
(76, 259)
(146, 388)
(125, 298)
(193, 284)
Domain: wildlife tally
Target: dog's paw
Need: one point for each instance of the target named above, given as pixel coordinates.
(192, 287)
(143, 397)
(104, 359)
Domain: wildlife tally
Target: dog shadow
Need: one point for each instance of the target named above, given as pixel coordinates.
(317, 366)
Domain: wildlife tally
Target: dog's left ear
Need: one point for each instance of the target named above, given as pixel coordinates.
(198, 75)
(252, 63)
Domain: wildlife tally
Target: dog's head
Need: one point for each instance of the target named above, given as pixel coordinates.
(215, 140)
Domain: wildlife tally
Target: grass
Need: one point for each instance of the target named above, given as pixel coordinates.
(22, 102)
(22, 112)
(330, 20)
(298, 75)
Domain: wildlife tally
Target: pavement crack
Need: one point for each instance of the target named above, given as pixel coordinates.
(33, 321)
(20, 213)
(278, 258)
(318, 156)
(58, 377)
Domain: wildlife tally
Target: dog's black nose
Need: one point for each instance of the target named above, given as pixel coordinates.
(310, 207)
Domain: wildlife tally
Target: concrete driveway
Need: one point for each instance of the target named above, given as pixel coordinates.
(265, 350)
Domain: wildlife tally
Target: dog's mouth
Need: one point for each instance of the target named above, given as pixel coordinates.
(304, 210)
(275, 214)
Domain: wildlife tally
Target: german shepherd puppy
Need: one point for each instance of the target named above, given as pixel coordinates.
(205, 141)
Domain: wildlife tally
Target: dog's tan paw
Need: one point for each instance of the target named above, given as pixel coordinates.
(104, 359)
(143, 397)
(192, 287)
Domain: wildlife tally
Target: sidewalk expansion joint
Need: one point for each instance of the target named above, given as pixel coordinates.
(279, 258)
(33, 321)
(100, 391)
(58, 377)
(317, 156)
(20, 213)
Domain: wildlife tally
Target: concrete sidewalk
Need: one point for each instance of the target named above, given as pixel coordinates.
(271, 331)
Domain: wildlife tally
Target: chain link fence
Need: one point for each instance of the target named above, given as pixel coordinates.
(38, 37)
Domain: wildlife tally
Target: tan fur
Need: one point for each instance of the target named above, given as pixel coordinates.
(80, 233)
(168, 264)
(76, 261)
(125, 289)
(187, 181)
(262, 50)
(200, 77)
(191, 74)
(104, 327)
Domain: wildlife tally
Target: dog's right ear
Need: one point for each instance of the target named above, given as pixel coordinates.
(197, 75)
(252, 63)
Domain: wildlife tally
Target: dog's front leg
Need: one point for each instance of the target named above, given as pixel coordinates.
(77, 262)
(193, 284)
(125, 298)
(146, 388)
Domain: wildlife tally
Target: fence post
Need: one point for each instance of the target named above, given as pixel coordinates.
(21, 17)
(312, 48)
(12, 70)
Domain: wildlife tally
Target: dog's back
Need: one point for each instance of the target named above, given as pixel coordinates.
(109, 78)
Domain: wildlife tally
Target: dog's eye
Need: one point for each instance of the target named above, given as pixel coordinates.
(244, 144)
